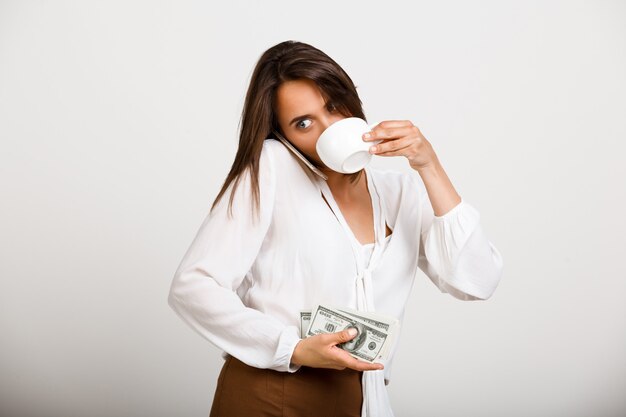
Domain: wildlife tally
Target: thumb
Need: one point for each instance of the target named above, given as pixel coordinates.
(346, 335)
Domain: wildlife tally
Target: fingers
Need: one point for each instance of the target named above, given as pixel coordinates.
(342, 359)
(401, 141)
(343, 336)
(345, 360)
(389, 129)
(391, 148)
(359, 365)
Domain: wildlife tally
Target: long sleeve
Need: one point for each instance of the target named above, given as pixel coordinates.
(455, 252)
(203, 290)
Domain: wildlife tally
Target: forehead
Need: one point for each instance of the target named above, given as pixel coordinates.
(298, 97)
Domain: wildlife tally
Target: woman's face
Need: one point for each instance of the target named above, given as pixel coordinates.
(303, 115)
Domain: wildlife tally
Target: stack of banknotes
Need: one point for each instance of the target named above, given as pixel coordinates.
(376, 332)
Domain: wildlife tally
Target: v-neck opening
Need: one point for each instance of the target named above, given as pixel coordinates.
(377, 210)
(365, 261)
(373, 243)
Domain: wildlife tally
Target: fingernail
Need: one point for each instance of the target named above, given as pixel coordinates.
(352, 331)
(367, 136)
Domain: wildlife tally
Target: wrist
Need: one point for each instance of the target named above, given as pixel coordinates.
(295, 355)
(432, 169)
(443, 197)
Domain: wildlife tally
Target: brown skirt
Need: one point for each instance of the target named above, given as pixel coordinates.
(246, 391)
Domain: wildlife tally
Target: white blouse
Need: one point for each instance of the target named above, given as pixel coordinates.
(242, 283)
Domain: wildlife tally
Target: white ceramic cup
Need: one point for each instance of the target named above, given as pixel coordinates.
(342, 148)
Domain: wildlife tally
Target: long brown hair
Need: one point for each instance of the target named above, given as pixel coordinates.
(287, 61)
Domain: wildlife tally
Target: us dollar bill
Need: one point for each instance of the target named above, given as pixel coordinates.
(377, 320)
(388, 324)
(370, 341)
(305, 321)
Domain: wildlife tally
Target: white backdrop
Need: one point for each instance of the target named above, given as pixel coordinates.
(118, 124)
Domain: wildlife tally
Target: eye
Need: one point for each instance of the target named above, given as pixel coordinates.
(298, 125)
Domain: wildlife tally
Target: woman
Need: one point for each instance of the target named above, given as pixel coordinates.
(286, 233)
